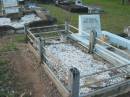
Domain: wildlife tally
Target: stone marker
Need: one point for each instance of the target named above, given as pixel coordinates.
(89, 23)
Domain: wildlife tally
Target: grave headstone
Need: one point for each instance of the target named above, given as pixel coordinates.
(10, 6)
(10, 3)
(10, 10)
(89, 23)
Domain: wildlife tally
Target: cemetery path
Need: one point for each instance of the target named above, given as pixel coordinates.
(23, 64)
(28, 72)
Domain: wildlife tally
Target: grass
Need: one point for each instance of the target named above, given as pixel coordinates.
(20, 38)
(8, 80)
(61, 14)
(5, 78)
(11, 45)
(9, 84)
(115, 18)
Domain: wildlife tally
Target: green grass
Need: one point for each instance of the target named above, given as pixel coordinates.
(61, 14)
(115, 18)
(12, 45)
(20, 38)
(5, 79)
(9, 87)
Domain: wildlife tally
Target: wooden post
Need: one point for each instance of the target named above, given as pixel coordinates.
(128, 71)
(66, 33)
(66, 27)
(92, 41)
(42, 51)
(74, 82)
(38, 45)
(26, 32)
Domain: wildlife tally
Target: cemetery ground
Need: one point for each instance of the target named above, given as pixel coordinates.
(115, 17)
(20, 71)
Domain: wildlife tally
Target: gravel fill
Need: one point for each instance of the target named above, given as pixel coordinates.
(65, 56)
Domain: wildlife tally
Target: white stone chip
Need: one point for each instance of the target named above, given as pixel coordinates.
(65, 56)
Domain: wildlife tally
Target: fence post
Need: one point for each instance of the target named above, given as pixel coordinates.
(128, 71)
(67, 27)
(42, 51)
(74, 82)
(40, 48)
(92, 41)
(26, 32)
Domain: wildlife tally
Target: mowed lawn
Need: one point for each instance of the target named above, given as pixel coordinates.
(115, 18)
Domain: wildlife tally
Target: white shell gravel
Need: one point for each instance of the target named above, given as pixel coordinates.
(65, 56)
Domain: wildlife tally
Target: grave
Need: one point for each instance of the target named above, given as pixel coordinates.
(35, 16)
(64, 56)
(10, 7)
(77, 6)
(103, 72)
(72, 5)
(107, 41)
(19, 24)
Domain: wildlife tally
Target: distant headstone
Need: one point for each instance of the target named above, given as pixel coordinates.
(10, 3)
(10, 6)
(87, 23)
(9, 10)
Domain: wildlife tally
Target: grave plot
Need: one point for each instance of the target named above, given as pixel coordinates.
(64, 56)
(16, 15)
(72, 6)
(25, 19)
(32, 17)
(77, 6)
(109, 46)
(61, 53)
(7, 23)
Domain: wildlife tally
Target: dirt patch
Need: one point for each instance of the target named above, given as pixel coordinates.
(30, 77)
(23, 66)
